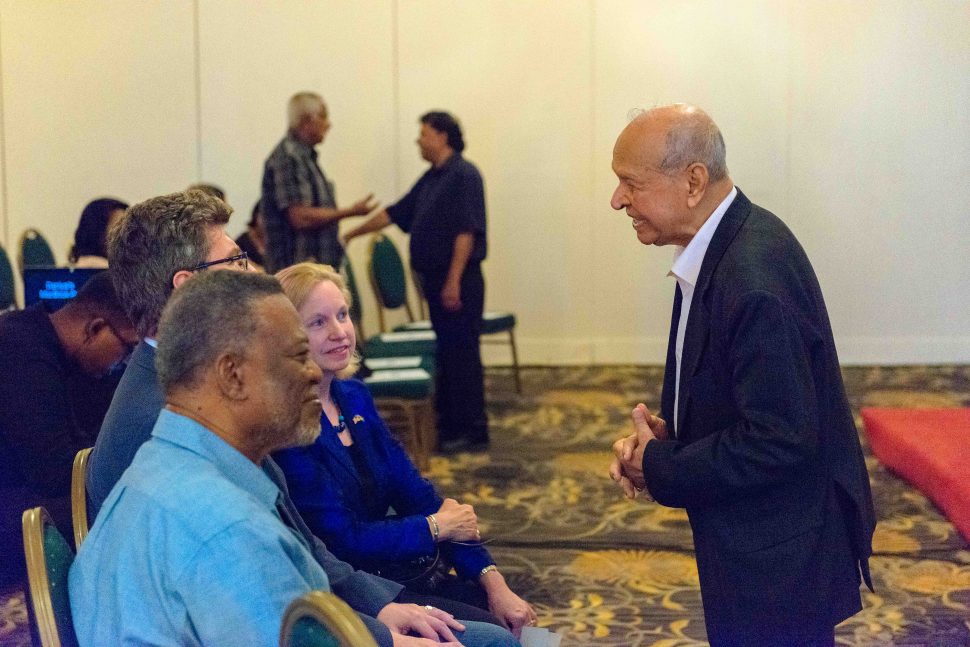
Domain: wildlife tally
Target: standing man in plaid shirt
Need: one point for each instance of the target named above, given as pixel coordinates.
(298, 202)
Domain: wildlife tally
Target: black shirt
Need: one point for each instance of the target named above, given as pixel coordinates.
(49, 410)
(444, 202)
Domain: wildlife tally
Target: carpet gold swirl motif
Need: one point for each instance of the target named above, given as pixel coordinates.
(604, 571)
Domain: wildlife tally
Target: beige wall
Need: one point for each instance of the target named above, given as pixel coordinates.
(848, 119)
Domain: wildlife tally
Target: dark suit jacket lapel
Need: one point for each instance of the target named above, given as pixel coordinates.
(670, 369)
(144, 356)
(698, 320)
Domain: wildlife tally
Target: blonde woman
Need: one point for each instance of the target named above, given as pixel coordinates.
(347, 480)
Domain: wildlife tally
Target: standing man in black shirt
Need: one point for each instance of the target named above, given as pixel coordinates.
(298, 203)
(445, 214)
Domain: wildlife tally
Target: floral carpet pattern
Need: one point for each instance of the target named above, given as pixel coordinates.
(604, 571)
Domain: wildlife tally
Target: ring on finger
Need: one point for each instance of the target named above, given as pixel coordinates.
(428, 608)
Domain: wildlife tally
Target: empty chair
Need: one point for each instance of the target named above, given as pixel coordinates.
(7, 293)
(401, 381)
(386, 344)
(35, 251)
(319, 619)
(389, 279)
(49, 557)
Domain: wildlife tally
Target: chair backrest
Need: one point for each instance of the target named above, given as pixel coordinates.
(49, 557)
(356, 310)
(320, 619)
(79, 500)
(35, 251)
(7, 293)
(388, 277)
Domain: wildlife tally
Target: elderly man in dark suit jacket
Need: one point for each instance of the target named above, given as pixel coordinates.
(755, 437)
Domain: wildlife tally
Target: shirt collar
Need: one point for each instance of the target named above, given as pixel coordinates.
(196, 438)
(688, 260)
(300, 145)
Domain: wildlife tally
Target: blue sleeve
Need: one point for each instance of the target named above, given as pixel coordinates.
(402, 211)
(340, 520)
(412, 496)
(231, 600)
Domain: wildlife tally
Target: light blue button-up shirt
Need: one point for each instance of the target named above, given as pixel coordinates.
(189, 549)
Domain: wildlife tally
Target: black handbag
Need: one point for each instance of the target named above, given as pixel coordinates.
(420, 574)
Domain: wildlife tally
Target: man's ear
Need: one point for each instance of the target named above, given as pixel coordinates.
(697, 181)
(181, 277)
(231, 376)
(93, 327)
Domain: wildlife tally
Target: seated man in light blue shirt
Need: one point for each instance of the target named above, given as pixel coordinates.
(191, 546)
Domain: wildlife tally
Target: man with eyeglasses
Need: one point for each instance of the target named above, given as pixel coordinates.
(52, 401)
(154, 249)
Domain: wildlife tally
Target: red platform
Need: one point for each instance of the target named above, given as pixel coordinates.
(930, 448)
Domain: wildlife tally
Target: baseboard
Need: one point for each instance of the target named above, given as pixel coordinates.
(890, 351)
(853, 351)
(579, 352)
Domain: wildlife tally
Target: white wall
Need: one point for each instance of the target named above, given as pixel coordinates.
(848, 119)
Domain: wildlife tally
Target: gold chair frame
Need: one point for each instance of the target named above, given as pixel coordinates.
(33, 521)
(79, 501)
(331, 612)
(420, 439)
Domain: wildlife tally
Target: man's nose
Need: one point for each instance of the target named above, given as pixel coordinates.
(313, 372)
(618, 201)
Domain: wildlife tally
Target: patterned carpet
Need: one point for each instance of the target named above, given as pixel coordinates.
(601, 570)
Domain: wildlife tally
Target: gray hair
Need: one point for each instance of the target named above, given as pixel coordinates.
(694, 137)
(154, 240)
(211, 314)
(303, 105)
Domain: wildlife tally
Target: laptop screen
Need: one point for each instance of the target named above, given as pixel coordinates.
(54, 286)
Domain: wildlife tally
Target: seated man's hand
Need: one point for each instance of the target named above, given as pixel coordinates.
(428, 622)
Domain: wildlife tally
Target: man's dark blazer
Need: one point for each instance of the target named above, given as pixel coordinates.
(128, 425)
(765, 456)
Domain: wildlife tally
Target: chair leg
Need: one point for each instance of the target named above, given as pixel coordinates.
(420, 451)
(515, 362)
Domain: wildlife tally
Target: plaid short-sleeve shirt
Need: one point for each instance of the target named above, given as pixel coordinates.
(291, 177)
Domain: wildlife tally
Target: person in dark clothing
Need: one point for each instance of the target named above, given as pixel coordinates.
(347, 480)
(253, 240)
(155, 249)
(52, 366)
(90, 238)
(445, 214)
(299, 205)
(754, 437)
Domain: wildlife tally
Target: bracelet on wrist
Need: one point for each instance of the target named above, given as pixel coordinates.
(433, 524)
(487, 569)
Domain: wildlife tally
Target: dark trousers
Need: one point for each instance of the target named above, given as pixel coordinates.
(464, 600)
(460, 387)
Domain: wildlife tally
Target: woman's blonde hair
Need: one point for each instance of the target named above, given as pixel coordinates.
(298, 282)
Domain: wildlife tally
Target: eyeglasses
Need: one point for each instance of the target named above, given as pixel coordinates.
(128, 345)
(239, 261)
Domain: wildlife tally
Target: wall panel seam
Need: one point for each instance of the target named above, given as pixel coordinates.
(197, 70)
(4, 205)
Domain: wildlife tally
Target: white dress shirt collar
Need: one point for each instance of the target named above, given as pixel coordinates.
(688, 260)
